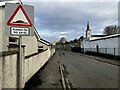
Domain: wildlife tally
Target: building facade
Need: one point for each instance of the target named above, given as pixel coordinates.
(101, 43)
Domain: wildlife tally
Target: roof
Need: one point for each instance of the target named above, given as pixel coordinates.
(98, 35)
(36, 32)
(107, 37)
(44, 42)
(39, 38)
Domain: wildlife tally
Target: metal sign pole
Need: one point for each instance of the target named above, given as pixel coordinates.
(20, 62)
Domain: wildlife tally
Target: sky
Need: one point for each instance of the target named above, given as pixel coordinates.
(68, 19)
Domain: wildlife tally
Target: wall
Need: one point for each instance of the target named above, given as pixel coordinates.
(3, 37)
(30, 65)
(0, 29)
(44, 46)
(109, 43)
(34, 63)
(9, 69)
(0, 73)
(30, 43)
(119, 45)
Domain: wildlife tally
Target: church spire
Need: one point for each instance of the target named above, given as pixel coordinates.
(88, 26)
(88, 31)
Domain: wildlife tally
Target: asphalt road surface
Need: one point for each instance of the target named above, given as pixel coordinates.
(85, 72)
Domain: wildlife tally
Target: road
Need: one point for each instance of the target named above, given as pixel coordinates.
(85, 72)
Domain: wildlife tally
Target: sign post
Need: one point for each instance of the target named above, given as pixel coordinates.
(54, 43)
(20, 62)
(19, 21)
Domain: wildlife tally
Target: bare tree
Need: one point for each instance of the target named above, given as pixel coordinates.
(112, 29)
(62, 40)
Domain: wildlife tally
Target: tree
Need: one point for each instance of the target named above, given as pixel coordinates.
(81, 38)
(71, 41)
(66, 42)
(112, 29)
(75, 40)
(62, 40)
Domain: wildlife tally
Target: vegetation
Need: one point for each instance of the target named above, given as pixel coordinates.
(67, 45)
(112, 29)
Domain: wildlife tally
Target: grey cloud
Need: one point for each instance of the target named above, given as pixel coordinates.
(59, 17)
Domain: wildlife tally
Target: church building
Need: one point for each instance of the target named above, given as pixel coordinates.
(101, 43)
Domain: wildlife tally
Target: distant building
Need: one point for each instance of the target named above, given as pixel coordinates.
(101, 43)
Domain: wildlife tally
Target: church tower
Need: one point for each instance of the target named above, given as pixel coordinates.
(88, 31)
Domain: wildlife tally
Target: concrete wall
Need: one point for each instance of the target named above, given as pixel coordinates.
(34, 63)
(44, 46)
(30, 65)
(0, 73)
(1, 29)
(9, 70)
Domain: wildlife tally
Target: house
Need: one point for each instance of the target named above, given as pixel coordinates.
(101, 43)
(32, 57)
(32, 44)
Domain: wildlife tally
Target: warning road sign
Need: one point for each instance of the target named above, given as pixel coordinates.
(20, 17)
(54, 43)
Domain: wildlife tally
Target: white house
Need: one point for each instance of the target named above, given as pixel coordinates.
(101, 43)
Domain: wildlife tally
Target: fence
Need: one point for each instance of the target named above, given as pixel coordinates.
(110, 51)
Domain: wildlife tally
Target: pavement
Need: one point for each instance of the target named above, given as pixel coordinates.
(86, 72)
(102, 59)
(47, 77)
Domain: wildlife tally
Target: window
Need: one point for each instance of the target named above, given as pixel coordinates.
(13, 41)
(40, 48)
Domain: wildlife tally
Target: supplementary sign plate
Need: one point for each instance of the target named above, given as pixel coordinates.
(15, 31)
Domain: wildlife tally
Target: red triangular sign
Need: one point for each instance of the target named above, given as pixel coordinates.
(19, 18)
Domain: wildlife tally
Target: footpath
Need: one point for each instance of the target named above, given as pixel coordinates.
(102, 59)
(48, 76)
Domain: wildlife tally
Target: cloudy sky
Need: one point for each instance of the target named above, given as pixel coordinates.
(68, 19)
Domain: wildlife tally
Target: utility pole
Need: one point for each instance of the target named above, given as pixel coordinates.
(83, 33)
(83, 42)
